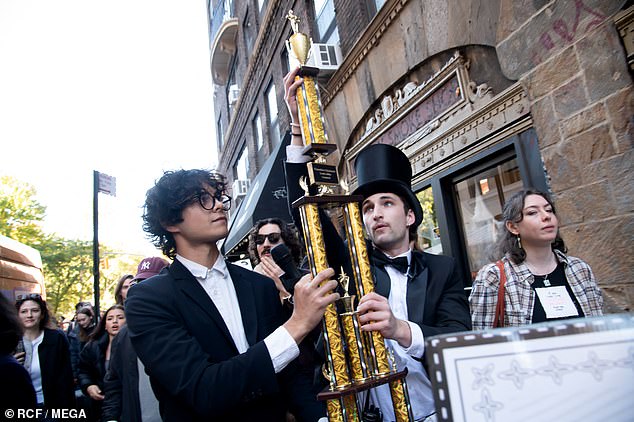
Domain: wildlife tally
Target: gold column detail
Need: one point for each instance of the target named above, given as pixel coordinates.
(310, 116)
(400, 401)
(302, 110)
(360, 259)
(317, 255)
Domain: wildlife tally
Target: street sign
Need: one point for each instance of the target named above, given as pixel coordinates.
(107, 184)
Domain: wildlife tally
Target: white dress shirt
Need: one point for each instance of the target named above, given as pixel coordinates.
(418, 384)
(217, 283)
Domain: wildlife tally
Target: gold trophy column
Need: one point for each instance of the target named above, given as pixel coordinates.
(375, 349)
(344, 409)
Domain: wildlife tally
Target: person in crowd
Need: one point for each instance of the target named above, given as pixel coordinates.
(211, 334)
(265, 235)
(536, 267)
(16, 387)
(128, 394)
(46, 355)
(417, 295)
(121, 290)
(79, 335)
(95, 357)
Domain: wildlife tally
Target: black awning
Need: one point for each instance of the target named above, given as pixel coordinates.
(266, 198)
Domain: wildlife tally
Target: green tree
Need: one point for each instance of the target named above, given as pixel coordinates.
(20, 214)
(67, 263)
(67, 273)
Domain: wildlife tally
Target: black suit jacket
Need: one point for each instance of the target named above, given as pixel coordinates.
(435, 296)
(193, 363)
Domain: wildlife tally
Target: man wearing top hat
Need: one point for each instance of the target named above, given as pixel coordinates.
(417, 295)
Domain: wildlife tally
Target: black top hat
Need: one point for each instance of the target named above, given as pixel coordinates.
(384, 168)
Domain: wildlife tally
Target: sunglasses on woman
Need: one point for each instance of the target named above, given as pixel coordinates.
(273, 238)
(29, 296)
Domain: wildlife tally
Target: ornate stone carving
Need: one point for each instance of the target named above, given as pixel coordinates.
(390, 104)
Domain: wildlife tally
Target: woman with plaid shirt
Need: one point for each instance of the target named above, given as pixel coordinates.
(542, 282)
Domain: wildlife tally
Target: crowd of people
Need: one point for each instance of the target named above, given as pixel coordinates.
(48, 366)
(205, 339)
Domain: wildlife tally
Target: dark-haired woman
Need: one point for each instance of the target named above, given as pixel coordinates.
(16, 388)
(542, 282)
(94, 358)
(121, 290)
(46, 356)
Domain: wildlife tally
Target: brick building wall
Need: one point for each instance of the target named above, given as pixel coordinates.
(569, 58)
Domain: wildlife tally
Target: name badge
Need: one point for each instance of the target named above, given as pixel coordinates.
(557, 302)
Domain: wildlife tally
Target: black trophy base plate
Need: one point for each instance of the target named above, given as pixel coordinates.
(308, 71)
(315, 149)
(327, 199)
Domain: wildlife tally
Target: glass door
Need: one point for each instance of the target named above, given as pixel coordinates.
(480, 196)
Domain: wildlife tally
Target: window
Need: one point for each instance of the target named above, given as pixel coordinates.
(219, 133)
(241, 169)
(480, 198)
(257, 130)
(428, 231)
(326, 22)
(375, 5)
(233, 85)
(248, 28)
(274, 127)
(286, 65)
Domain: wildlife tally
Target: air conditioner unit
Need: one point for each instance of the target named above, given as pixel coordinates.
(325, 57)
(234, 93)
(240, 187)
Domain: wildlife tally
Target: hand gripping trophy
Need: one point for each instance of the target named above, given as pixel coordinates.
(356, 361)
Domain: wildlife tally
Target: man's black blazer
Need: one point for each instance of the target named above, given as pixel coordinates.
(193, 363)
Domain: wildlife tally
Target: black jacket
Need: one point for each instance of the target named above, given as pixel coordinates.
(16, 388)
(193, 363)
(57, 374)
(92, 363)
(121, 385)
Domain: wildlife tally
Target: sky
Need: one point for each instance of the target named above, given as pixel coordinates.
(121, 87)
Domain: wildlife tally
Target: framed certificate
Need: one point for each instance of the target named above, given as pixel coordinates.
(578, 369)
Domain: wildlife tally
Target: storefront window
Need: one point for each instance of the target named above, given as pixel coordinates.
(428, 233)
(480, 199)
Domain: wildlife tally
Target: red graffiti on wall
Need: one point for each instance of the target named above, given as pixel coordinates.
(566, 30)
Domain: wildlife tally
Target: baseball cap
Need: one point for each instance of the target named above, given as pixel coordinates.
(149, 267)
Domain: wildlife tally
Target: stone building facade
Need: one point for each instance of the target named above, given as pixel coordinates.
(484, 96)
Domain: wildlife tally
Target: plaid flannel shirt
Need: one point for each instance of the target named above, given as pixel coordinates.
(519, 299)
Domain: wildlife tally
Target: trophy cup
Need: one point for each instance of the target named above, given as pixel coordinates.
(356, 361)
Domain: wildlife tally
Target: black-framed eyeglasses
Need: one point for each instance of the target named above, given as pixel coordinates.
(273, 238)
(208, 201)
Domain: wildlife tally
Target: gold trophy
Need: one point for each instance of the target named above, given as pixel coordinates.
(356, 360)
(309, 108)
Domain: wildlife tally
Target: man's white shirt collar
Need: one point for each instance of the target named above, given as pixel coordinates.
(202, 272)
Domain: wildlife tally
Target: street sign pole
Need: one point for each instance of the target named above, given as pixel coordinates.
(95, 239)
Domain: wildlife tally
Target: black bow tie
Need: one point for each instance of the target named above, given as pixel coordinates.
(400, 263)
